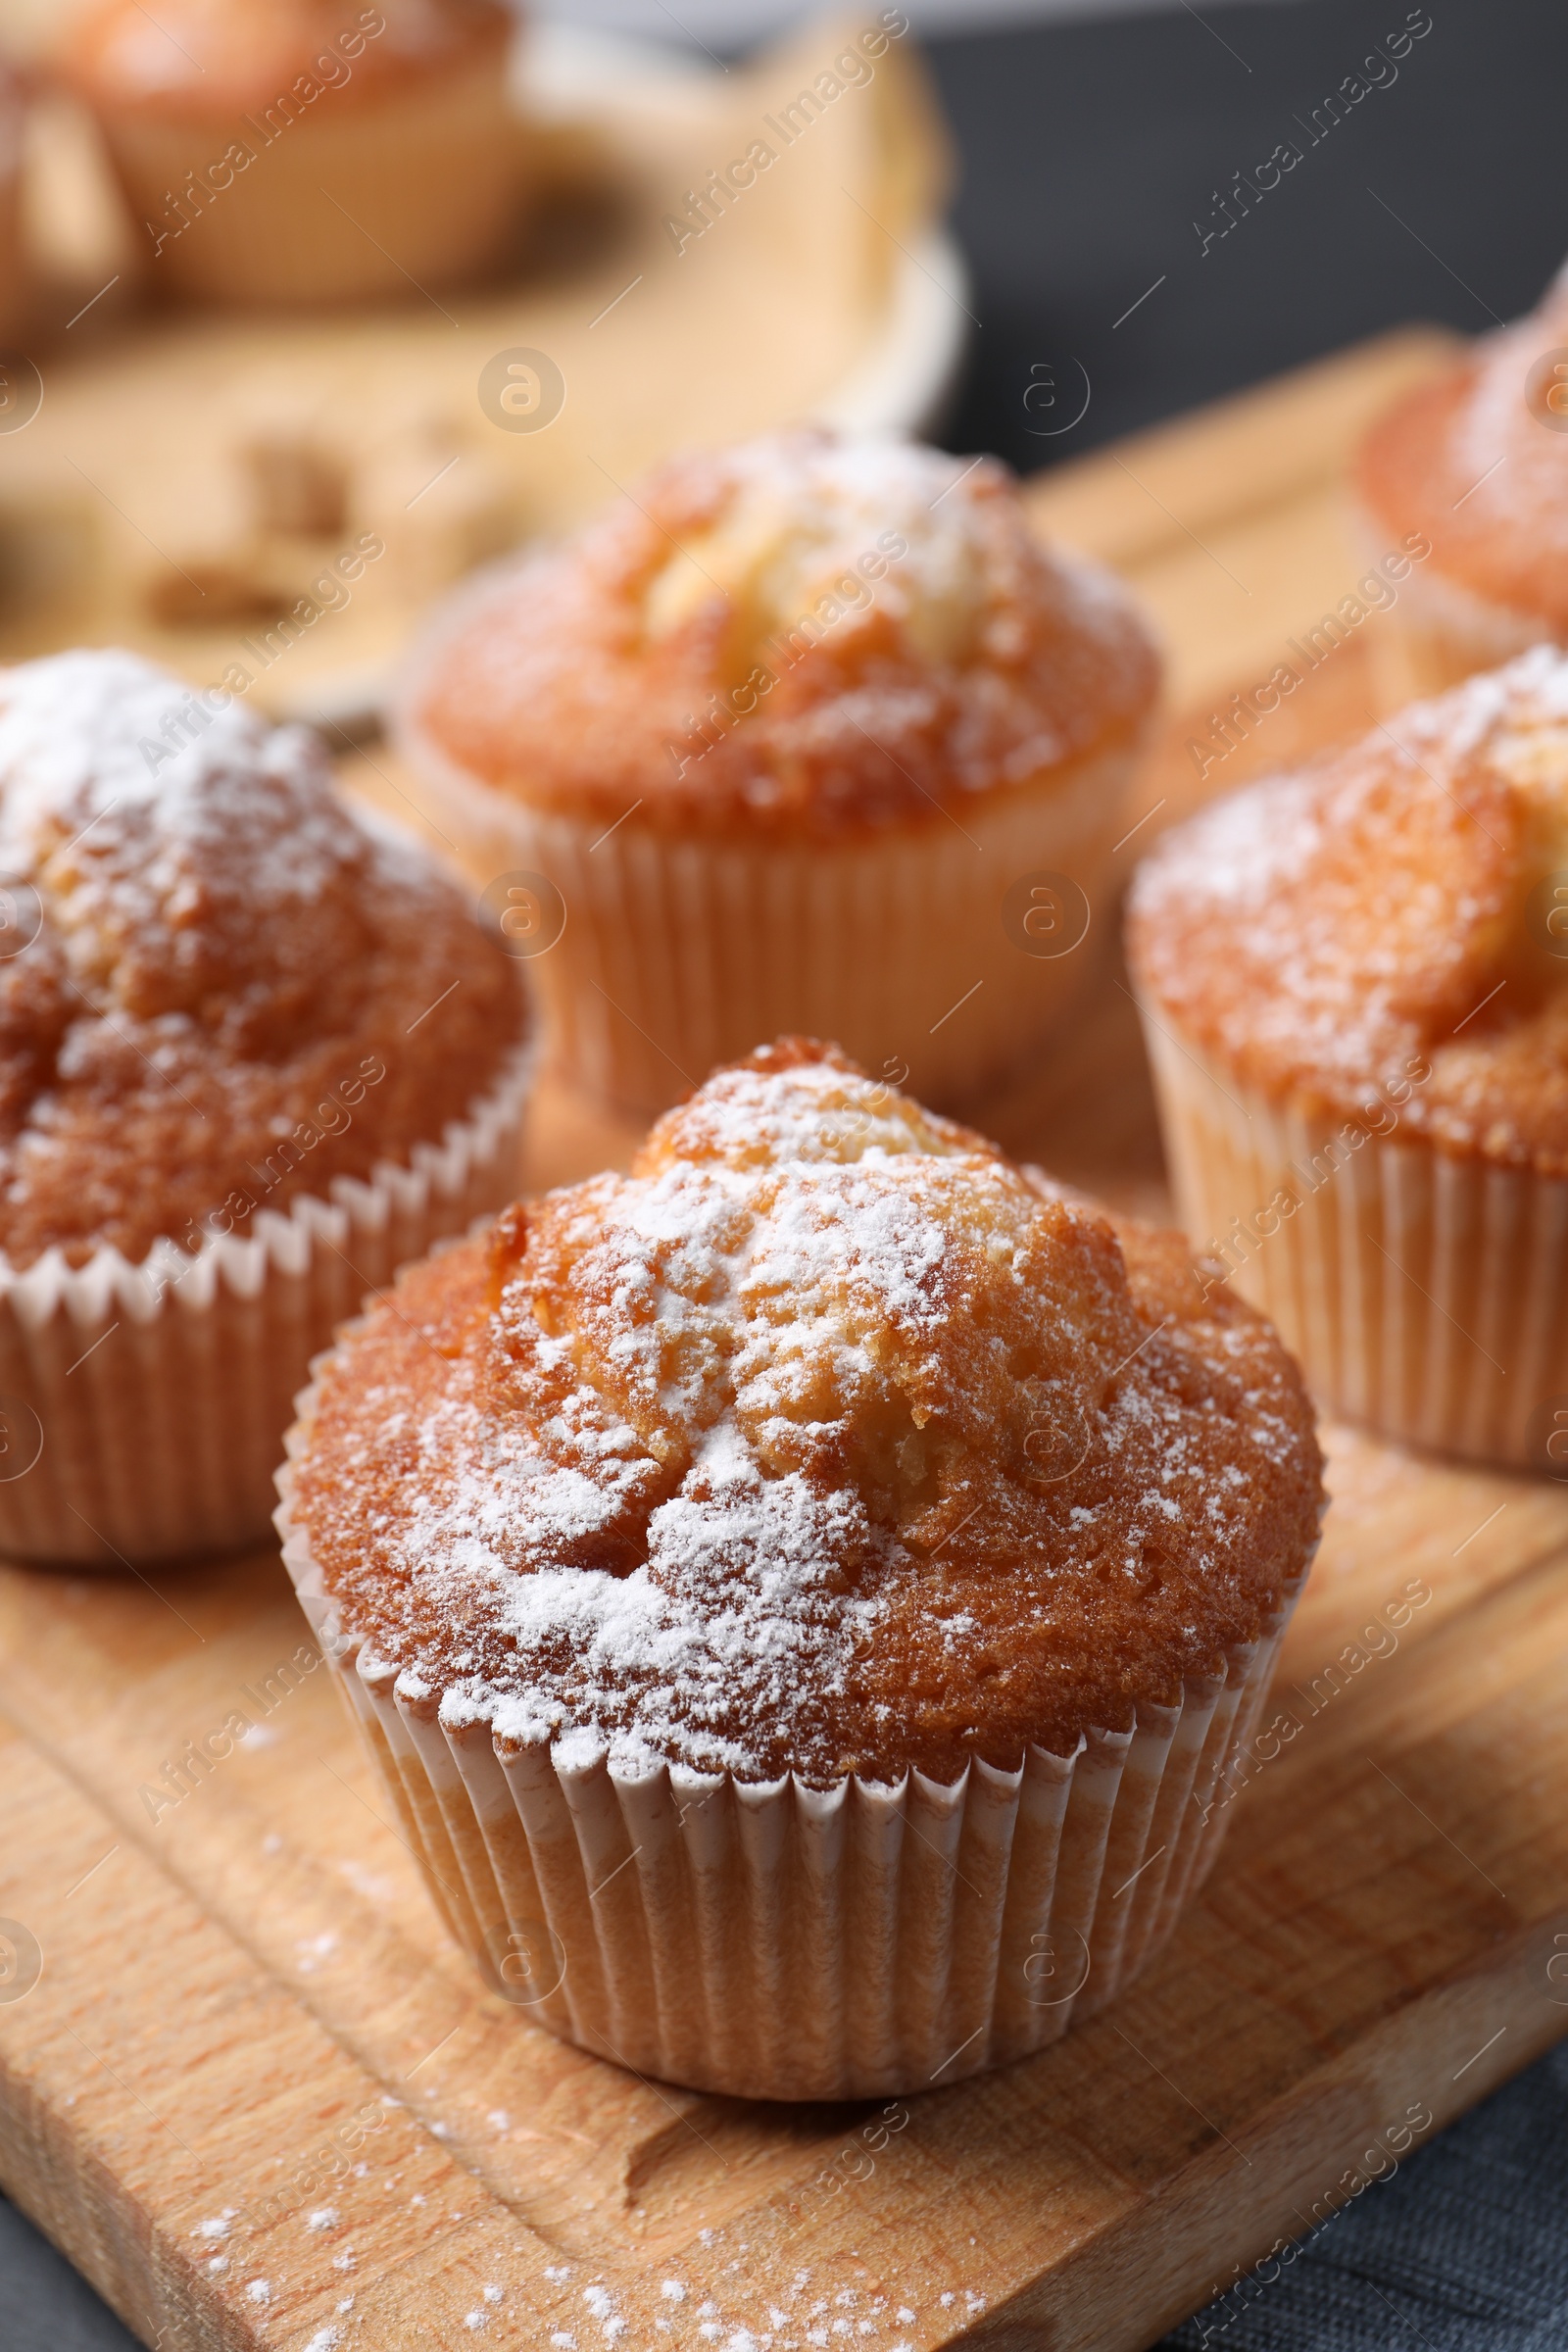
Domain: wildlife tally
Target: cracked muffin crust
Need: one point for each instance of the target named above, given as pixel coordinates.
(1384, 919)
(827, 1440)
(225, 987)
(794, 635)
(782, 730)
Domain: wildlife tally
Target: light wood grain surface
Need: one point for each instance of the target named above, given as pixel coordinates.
(262, 2102)
(141, 505)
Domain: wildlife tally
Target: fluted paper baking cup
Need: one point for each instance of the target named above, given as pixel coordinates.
(142, 1407)
(1440, 632)
(1423, 1294)
(678, 953)
(783, 1941)
(433, 176)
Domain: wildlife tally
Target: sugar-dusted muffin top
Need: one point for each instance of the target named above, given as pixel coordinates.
(220, 988)
(1477, 460)
(208, 60)
(799, 633)
(1396, 915)
(824, 1440)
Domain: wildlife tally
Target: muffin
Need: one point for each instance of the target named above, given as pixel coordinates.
(305, 151)
(255, 1054)
(804, 734)
(810, 1596)
(1357, 1005)
(1473, 466)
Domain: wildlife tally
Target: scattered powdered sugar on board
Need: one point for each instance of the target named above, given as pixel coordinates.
(784, 2317)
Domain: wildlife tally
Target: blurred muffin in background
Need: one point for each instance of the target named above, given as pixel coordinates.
(805, 734)
(1477, 462)
(305, 151)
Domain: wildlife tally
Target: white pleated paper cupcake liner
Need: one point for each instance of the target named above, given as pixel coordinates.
(1440, 632)
(1425, 1294)
(682, 953)
(142, 1407)
(434, 176)
(778, 1940)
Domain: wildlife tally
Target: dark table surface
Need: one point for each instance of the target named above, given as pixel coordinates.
(1096, 158)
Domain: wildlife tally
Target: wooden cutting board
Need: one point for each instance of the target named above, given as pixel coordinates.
(249, 2087)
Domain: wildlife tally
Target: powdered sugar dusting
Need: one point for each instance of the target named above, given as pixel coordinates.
(758, 1557)
(802, 513)
(822, 1407)
(216, 948)
(1361, 921)
(1528, 492)
(811, 524)
(793, 631)
(86, 738)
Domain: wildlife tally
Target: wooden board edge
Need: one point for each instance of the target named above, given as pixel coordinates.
(1444, 2050)
(1253, 449)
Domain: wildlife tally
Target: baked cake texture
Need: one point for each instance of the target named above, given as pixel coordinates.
(826, 1441)
(782, 730)
(1475, 460)
(797, 634)
(1386, 917)
(1356, 1001)
(225, 988)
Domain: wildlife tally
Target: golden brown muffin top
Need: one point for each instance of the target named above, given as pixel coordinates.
(799, 634)
(209, 60)
(825, 1439)
(220, 988)
(1389, 916)
(1469, 461)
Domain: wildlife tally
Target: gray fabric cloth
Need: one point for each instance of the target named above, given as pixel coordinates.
(1465, 2249)
(45, 2305)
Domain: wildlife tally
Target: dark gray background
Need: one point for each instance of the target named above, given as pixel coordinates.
(1088, 149)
